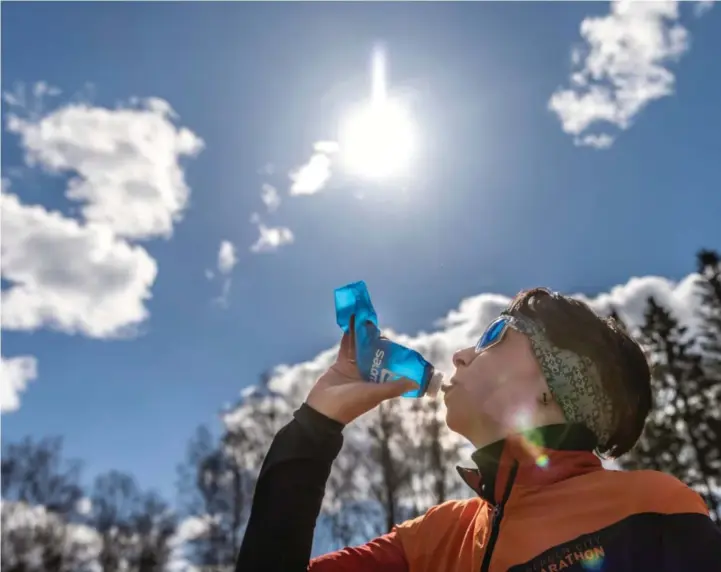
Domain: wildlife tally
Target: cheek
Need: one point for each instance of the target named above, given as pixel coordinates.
(479, 394)
(484, 382)
(473, 401)
(496, 397)
(459, 404)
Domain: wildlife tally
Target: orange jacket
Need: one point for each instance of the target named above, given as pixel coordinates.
(539, 509)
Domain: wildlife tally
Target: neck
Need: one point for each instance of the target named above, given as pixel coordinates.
(517, 424)
(486, 437)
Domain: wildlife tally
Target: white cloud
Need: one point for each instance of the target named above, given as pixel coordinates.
(13, 98)
(30, 101)
(84, 275)
(270, 238)
(623, 67)
(315, 174)
(629, 299)
(124, 162)
(226, 257)
(222, 299)
(15, 374)
(311, 177)
(69, 276)
(702, 7)
(327, 147)
(270, 197)
(602, 141)
(227, 260)
(41, 89)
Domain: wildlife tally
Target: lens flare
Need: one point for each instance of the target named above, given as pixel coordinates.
(533, 439)
(594, 561)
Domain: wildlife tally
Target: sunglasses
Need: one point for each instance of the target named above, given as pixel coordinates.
(494, 334)
(496, 330)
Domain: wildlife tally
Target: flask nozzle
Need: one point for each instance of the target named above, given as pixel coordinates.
(434, 385)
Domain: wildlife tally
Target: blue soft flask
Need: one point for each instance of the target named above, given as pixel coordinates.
(379, 359)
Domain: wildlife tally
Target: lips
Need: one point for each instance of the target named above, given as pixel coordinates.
(446, 388)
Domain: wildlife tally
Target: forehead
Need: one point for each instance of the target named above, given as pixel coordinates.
(516, 341)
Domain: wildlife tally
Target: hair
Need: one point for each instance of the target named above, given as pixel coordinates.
(625, 374)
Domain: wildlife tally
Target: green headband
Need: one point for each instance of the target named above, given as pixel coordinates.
(573, 380)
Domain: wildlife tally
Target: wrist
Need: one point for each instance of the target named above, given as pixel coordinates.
(317, 422)
(327, 408)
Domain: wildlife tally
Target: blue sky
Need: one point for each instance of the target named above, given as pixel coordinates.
(500, 197)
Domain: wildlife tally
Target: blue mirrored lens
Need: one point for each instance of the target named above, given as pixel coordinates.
(492, 333)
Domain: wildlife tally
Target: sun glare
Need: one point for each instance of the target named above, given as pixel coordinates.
(378, 139)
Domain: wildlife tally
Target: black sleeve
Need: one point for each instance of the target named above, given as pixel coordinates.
(690, 542)
(289, 493)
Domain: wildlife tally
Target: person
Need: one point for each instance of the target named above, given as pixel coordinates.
(548, 388)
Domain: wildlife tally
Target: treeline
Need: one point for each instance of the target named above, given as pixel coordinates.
(50, 522)
(396, 462)
(683, 434)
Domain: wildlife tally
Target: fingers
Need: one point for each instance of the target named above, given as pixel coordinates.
(391, 389)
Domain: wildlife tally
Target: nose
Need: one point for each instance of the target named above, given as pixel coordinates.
(464, 357)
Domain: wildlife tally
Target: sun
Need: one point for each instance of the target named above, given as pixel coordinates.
(378, 138)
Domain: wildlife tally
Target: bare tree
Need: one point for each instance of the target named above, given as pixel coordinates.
(36, 473)
(249, 430)
(40, 529)
(153, 525)
(206, 492)
(115, 500)
(389, 464)
(437, 453)
(218, 477)
(237, 449)
(347, 513)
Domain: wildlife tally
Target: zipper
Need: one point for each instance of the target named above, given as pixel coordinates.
(496, 520)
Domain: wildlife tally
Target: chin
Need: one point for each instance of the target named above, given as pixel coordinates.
(470, 424)
(455, 421)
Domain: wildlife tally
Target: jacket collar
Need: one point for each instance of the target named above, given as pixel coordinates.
(538, 457)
